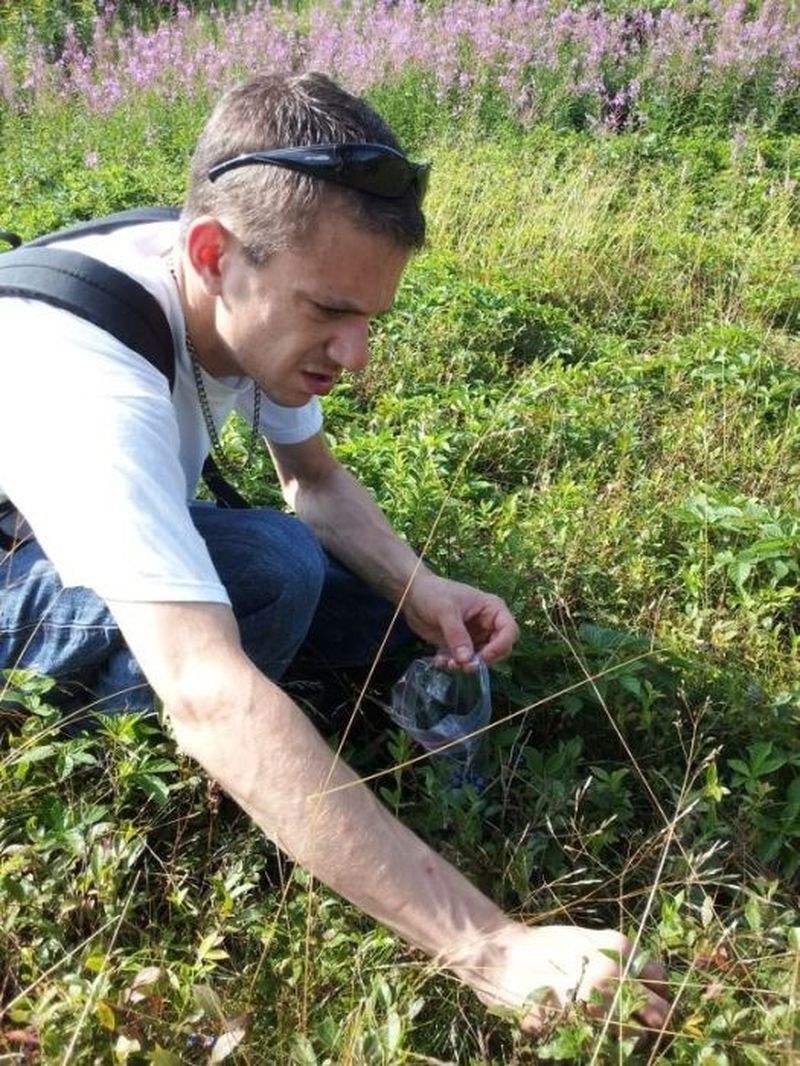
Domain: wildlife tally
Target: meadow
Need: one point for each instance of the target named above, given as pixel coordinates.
(586, 399)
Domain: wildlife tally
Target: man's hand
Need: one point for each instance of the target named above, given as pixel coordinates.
(455, 618)
(459, 619)
(547, 968)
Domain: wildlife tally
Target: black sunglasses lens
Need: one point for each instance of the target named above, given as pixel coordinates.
(376, 171)
(386, 176)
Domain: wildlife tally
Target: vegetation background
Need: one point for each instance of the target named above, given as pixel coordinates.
(586, 399)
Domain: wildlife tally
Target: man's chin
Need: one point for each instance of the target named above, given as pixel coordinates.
(288, 398)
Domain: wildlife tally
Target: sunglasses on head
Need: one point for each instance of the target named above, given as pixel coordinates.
(372, 168)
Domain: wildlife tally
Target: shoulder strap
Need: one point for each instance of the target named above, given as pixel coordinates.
(92, 290)
(106, 297)
(96, 292)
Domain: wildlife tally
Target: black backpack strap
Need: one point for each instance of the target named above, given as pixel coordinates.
(7, 542)
(222, 491)
(106, 297)
(92, 290)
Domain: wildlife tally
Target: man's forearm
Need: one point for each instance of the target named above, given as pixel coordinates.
(277, 767)
(446, 614)
(250, 737)
(354, 530)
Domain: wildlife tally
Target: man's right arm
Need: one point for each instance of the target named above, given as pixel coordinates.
(260, 747)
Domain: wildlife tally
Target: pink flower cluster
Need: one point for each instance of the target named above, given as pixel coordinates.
(534, 53)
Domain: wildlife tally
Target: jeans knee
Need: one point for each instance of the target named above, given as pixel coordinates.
(272, 567)
(304, 576)
(275, 595)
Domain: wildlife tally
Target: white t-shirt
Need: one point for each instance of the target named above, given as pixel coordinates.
(95, 452)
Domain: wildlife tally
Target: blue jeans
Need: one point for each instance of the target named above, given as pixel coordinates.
(294, 605)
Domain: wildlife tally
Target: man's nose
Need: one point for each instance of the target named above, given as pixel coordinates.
(349, 346)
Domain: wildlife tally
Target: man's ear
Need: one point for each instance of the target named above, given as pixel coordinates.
(207, 241)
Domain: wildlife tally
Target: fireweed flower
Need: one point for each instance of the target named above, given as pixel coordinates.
(541, 58)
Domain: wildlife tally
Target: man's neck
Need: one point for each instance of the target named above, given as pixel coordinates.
(198, 316)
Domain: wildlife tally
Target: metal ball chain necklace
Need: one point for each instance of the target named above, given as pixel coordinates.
(205, 406)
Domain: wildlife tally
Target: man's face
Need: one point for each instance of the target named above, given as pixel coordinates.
(296, 323)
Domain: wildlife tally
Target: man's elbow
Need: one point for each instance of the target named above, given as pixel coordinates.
(206, 696)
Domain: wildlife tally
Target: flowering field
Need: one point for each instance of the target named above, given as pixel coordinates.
(586, 398)
(620, 66)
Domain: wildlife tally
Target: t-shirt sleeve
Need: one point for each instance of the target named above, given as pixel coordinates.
(283, 425)
(89, 455)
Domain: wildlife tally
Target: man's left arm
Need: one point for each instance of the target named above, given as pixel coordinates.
(448, 614)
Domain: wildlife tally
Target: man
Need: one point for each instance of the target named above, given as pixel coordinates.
(280, 260)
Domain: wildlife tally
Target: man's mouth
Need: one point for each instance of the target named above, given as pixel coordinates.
(319, 384)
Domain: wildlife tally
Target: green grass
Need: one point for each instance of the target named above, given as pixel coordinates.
(586, 399)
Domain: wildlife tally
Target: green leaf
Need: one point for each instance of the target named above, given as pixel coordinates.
(394, 1031)
(124, 1047)
(105, 1015)
(227, 1043)
(739, 572)
(154, 787)
(773, 548)
(752, 911)
(764, 760)
(38, 754)
(160, 766)
(208, 1001)
(740, 767)
(161, 1057)
(303, 1051)
(142, 984)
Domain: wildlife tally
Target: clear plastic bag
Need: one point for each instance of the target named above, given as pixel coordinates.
(445, 711)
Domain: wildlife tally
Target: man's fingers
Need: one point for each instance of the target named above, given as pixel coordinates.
(647, 1021)
(655, 1013)
(499, 648)
(654, 975)
(457, 639)
(504, 635)
(651, 981)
